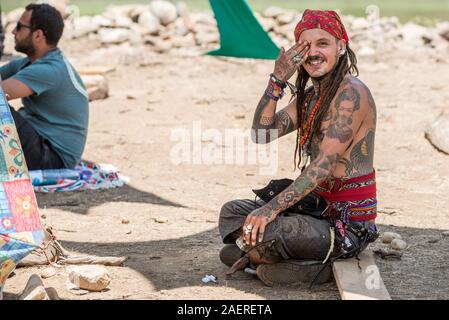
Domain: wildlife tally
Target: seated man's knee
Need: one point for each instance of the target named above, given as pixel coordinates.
(228, 207)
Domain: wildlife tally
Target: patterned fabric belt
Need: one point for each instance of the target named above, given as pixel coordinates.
(351, 199)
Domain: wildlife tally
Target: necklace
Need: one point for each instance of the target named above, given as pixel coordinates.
(307, 125)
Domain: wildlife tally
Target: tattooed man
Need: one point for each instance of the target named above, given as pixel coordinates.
(335, 120)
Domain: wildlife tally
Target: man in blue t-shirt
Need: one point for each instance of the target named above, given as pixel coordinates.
(52, 125)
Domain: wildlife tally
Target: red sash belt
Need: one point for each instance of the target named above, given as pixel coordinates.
(339, 190)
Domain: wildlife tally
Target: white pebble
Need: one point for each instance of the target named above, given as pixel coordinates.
(398, 244)
(388, 237)
(48, 273)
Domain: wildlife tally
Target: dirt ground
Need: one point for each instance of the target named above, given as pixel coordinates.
(150, 95)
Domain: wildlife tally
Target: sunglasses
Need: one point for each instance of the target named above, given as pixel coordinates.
(20, 25)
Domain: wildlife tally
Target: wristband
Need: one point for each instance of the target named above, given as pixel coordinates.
(270, 91)
(270, 95)
(281, 84)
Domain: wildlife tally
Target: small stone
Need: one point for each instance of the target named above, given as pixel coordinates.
(89, 277)
(158, 45)
(164, 10)
(74, 289)
(136, 10)
(149, 22)
(43, 216)
(129, 232)
(445, 233)
(122, 22)
(83, 26)
(398, 244)
(183, 9)
(97, 86)
(184, 42)
(388, 254)
(34, 289)
(388, 237)
(101, 21)
(438, 133)
(48, 273)
(124, 221)
(360, 24)
(286, 18)
(181, 29)
(161, 220)
(113, 35)
(207, 38)
(203, 19)
(273, 12)
(415, 35)
(267, 23)
(443, 29)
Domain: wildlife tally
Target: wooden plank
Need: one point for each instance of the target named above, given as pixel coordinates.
(356, 284)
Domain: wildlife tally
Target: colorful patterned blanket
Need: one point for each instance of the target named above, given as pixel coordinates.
(86, 176)
(20, 227)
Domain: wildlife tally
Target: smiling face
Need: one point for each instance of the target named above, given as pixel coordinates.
(324, 52)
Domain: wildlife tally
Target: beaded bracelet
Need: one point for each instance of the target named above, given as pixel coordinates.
(270, 95)
(279, 83)
(271, 88)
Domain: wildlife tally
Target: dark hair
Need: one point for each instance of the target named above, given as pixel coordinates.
(348, 62)
(46, 18)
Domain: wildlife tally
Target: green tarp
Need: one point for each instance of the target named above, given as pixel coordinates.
(241, 35)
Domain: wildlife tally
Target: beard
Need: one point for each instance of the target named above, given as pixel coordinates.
(25, 46)
(325, 77)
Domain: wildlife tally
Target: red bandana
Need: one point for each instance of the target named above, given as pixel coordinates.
(326, 20)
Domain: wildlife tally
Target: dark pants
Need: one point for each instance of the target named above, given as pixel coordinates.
(295, 236)
(38, 151)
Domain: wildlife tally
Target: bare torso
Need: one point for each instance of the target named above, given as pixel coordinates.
(358, 158)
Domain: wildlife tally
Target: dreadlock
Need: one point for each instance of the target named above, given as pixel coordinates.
(348, 62)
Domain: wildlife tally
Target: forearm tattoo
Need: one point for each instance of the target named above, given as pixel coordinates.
(263, 125)
(310, 178)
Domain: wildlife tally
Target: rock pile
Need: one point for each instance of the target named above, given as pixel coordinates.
(165, 26)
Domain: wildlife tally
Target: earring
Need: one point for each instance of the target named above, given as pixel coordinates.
(342, 52)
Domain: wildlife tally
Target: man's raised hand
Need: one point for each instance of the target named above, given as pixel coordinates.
(289, 61)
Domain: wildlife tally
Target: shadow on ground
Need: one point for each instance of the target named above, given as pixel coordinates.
(422, 272)
(183, 262)
(81, 201)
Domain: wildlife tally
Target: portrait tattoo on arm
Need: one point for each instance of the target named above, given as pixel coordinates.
(347, 102)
